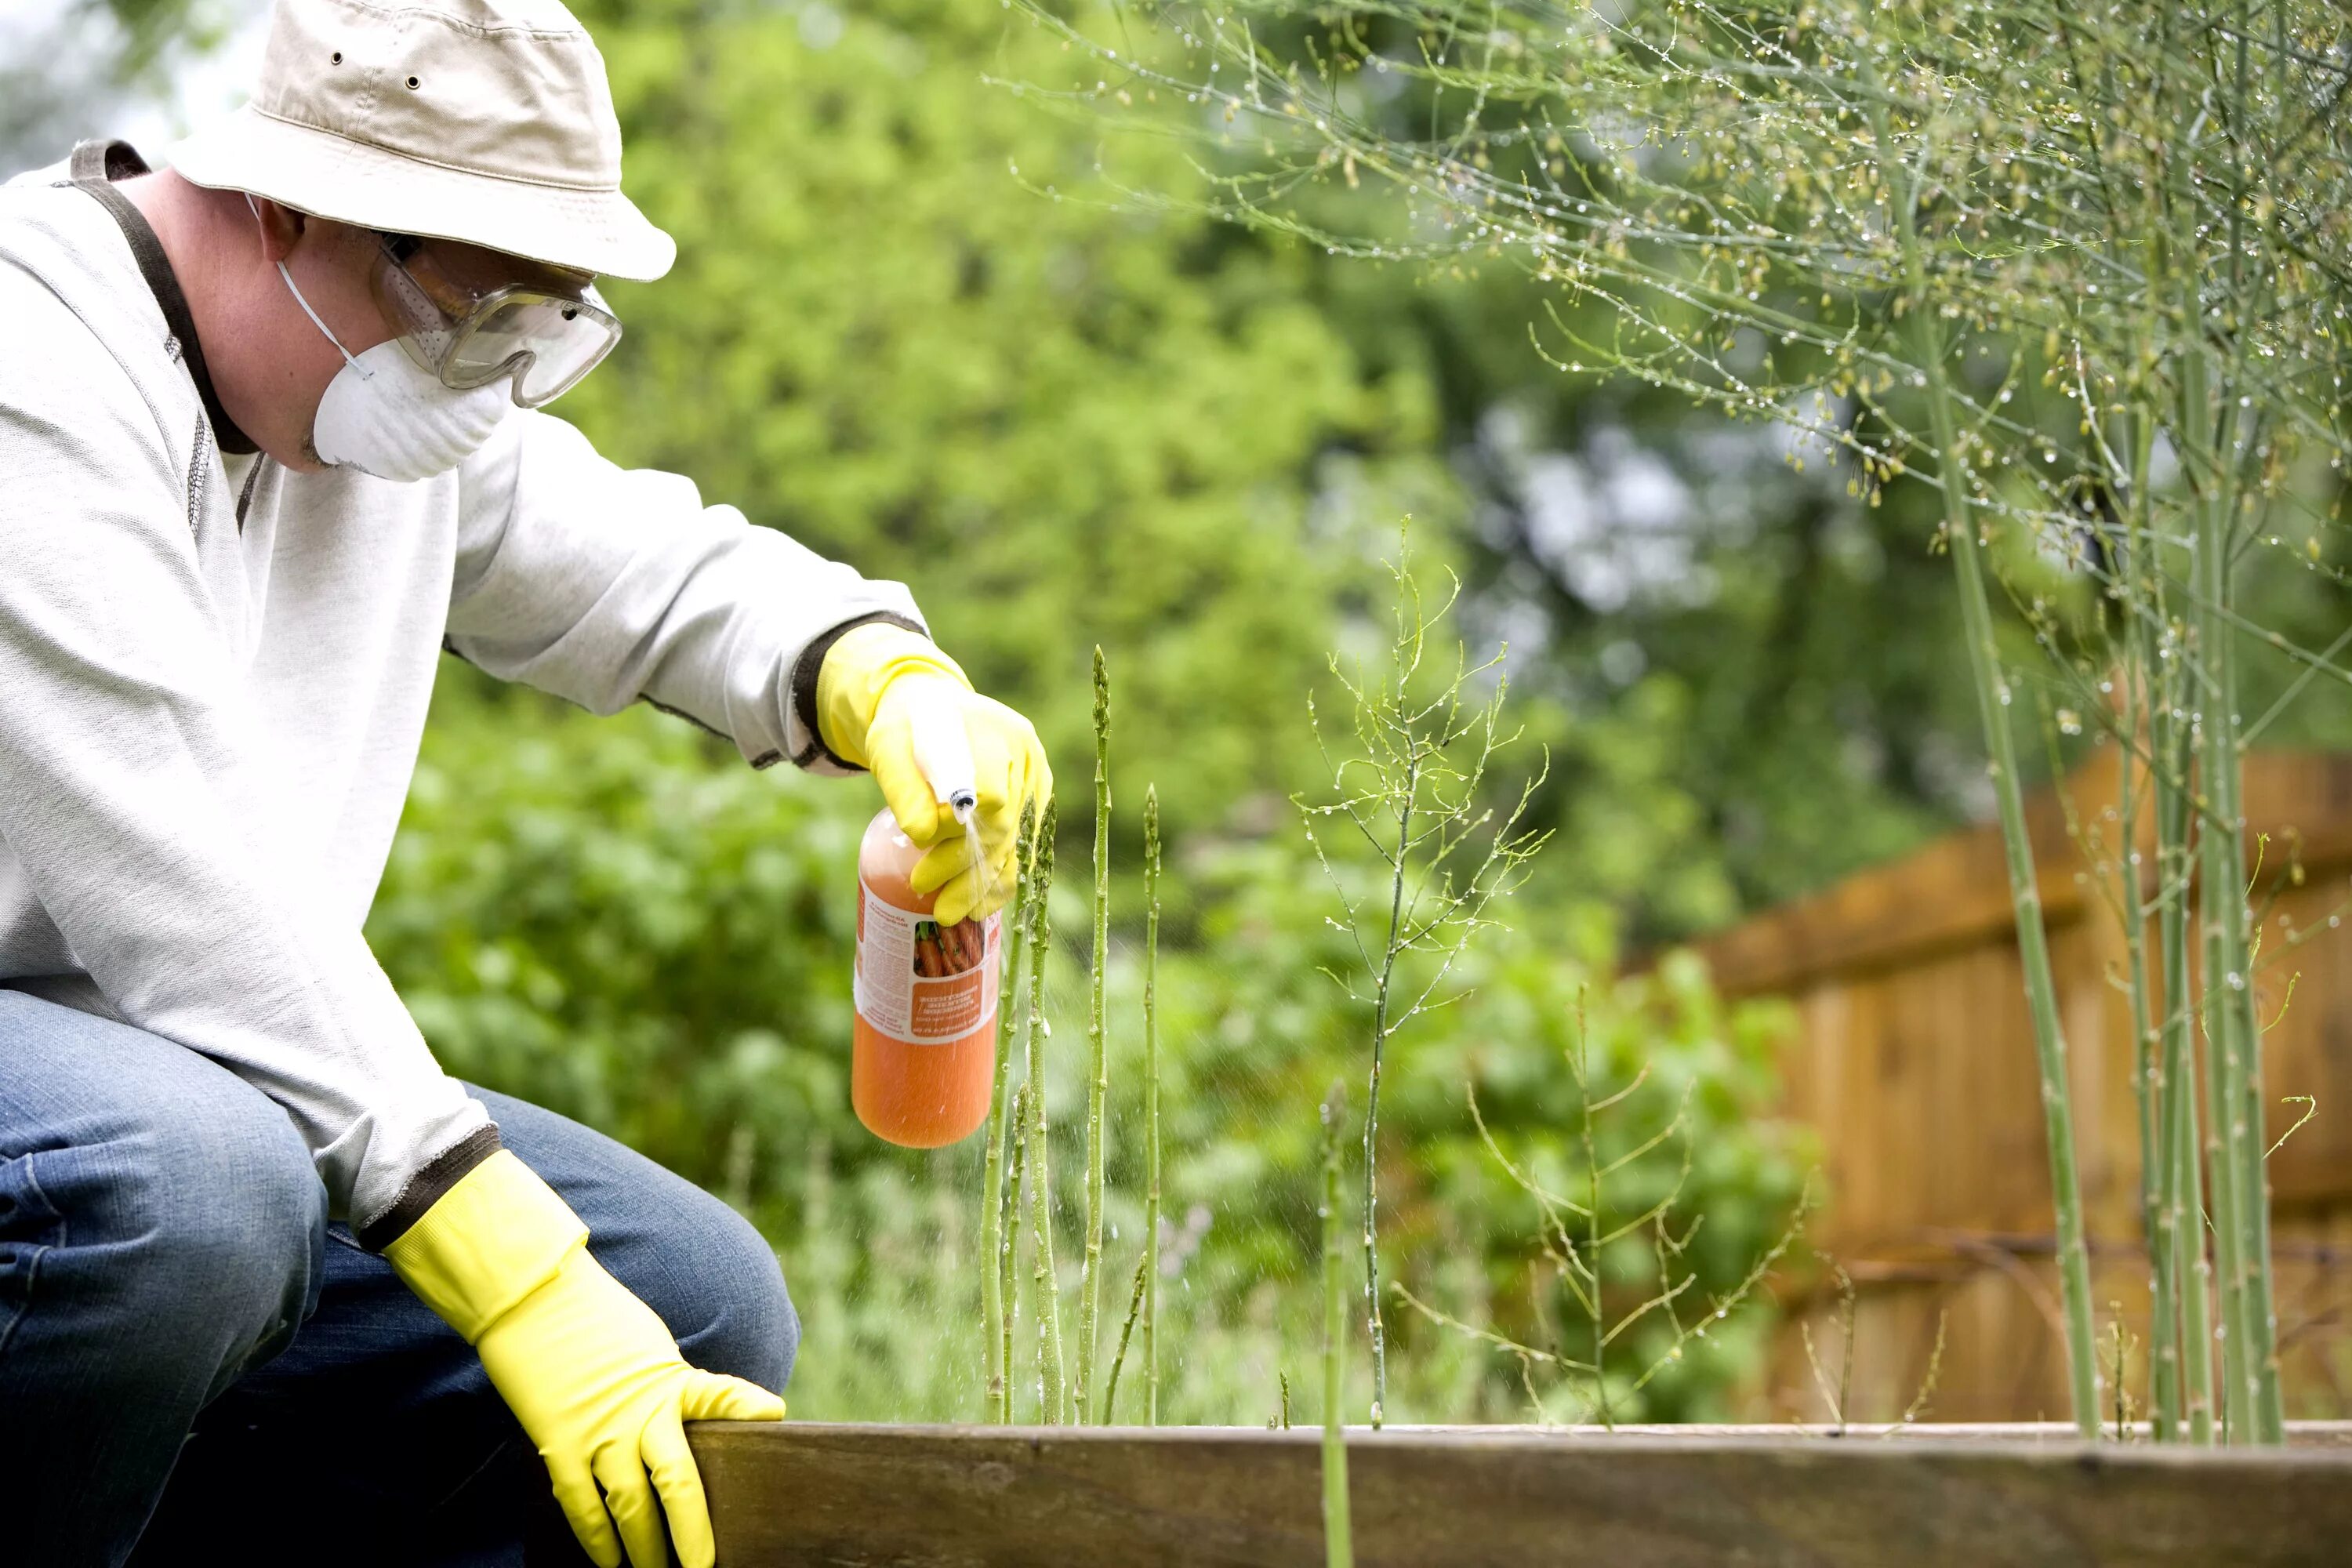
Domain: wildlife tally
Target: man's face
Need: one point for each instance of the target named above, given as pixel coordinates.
(276, 365)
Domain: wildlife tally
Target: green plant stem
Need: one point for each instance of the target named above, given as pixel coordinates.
(2245, 1023)
(2217, 878)
(1009, 1251)
(2181, 1331)
(1339, 1547)
(2169, 749)
(2192, 1282)
(1040, 1185)
(1151, 1104)
(1391, 948)
(2164, 1321)
(2234, 1033)
(1126, 1332)
(2251, 1402)
(1993, 702)
(1582, 1058)
(1098, 1054)
(2032, 940)
(992, 1235)
(2150, 1086)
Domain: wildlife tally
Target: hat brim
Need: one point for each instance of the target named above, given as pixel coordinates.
(330, 177)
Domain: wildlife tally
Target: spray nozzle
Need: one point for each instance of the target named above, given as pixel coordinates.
(943, 750)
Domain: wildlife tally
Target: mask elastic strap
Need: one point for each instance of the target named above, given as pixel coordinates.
(365, 373)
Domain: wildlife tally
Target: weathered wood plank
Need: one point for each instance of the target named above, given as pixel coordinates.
(943, 1497)
(2299, 1434)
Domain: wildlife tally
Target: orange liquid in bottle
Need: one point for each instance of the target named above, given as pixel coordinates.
(924, 1051)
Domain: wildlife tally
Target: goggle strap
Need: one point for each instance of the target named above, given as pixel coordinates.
(419, 308)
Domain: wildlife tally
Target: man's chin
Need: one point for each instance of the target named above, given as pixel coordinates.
(303, 460)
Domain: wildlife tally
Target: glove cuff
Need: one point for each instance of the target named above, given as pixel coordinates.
(861, 664)
(492, 1239)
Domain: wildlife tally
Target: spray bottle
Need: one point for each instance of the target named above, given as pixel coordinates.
(924, 1051)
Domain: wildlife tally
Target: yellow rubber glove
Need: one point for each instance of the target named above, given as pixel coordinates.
(886, 697)
(588, 1369)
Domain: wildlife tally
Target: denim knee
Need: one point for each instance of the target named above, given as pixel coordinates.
(225, 1220)
(723, 1292)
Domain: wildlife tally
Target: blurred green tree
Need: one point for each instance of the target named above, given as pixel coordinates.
(1061, 422)
(913, 326)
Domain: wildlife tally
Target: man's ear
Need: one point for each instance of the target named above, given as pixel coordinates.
(280, 226)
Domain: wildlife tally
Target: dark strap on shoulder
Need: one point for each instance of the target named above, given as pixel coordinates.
(94, 166)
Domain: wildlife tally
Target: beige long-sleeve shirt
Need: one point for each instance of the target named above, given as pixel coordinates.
(212, 693)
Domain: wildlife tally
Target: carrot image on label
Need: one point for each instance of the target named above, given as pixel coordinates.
(925, 1036)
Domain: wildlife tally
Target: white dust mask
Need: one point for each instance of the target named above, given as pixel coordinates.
(385, 415)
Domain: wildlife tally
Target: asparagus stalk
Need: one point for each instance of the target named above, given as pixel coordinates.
(2209, 437)
(2032, 940)
(2164, 1319)
(1339, 1547)
(2185, 1280)
(2192, 1265)
(2181, 1325)
(1383, 980)
(2254, 1189)
(2180, 1340)
(2241, 1183)
(2217, 891)
(2159, 656)
(1041, 1195)
(1009, 1254)
(1993, 703)
(1098, 1059)
(1126, 1332)
(1151, 1104)
(992, 1216)
(2148, 1084)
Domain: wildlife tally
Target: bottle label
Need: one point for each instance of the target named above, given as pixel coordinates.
(921, 981)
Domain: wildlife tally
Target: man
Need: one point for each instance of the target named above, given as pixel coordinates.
(272, 1286)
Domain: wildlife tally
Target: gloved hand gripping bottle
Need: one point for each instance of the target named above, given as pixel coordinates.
(932, 872)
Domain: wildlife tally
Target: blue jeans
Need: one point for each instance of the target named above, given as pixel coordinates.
(194, 1362)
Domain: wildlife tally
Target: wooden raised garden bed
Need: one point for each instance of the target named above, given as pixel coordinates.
(1985, 1497)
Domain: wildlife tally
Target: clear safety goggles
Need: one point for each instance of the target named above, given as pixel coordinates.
(473, 316)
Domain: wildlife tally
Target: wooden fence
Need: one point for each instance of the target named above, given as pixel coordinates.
(1912, 1057)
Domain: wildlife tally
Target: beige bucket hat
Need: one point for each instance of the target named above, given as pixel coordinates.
(483, 121)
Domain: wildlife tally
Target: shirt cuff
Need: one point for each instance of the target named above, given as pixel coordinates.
(816, 755)
(429, 1187)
